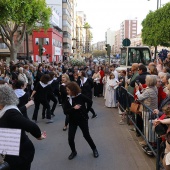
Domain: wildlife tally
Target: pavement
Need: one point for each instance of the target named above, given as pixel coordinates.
(117, 145)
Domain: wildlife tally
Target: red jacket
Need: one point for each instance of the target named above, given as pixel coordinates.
(161, 95)
(102, 75)
(135, 96)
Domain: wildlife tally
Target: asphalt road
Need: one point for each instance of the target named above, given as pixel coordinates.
(118, 147)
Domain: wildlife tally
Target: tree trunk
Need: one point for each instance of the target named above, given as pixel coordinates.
(13, 53)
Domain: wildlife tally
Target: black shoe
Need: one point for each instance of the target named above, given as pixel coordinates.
(43, 117)
(72, 155)
(94, 116)
(53, 114)
(95, 153)
(64, 128)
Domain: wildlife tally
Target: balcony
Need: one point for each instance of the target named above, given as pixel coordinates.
(66, 17)
(67, 29)
(66, 40)
(66, 50)
(66, 6)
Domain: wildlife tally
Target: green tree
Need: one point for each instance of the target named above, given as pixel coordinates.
(97, 53)
(156, 27)
(20, 16)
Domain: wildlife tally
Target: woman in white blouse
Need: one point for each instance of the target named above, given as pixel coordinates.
(96, 79)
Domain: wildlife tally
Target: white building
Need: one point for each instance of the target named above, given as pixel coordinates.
(56, 5)
(110, 37)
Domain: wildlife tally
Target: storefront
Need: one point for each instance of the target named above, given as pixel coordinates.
(50, 43)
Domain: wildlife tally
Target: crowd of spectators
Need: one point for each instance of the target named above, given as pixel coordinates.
(149, 85)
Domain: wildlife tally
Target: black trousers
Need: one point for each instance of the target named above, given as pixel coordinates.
(67, 120)
(54, 100)
(37, 105)
(96, 89)
(92, 111)
(139, 123)
(57, 94)
(101, 89)
(85, 130)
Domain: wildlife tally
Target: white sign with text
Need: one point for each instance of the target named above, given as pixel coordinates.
(57, 51)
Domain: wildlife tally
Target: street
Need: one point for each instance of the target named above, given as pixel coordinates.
(118, 146)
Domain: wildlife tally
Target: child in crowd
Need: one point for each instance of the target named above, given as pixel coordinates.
(111, 86)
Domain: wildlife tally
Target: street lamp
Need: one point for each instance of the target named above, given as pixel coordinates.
(157, 3)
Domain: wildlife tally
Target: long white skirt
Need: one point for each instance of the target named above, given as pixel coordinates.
(110, 98)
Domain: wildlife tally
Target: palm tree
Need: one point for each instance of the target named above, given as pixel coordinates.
(89, 36)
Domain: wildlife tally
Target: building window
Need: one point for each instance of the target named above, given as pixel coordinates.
(66, 46)
(3, 46)
(42, 41)
(37, 41)
(66, 35)
(57, 43)
(65, 23)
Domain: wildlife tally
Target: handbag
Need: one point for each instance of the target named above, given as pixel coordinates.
(3, 164)
(134, 107)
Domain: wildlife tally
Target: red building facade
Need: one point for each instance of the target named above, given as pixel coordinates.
(51, 42)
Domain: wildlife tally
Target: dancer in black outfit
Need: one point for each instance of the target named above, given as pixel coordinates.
(23, 96)
(39, 74)
(86, 85)
(64, 79)
(40, 94)
(10, 117)
(77, 107)
(51, 96)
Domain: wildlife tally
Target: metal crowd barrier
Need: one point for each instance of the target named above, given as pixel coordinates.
(147, 129)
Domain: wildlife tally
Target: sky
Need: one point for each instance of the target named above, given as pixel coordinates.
(105, 14)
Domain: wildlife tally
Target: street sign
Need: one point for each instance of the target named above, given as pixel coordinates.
(126, 42)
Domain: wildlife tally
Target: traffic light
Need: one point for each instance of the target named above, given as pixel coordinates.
(106, 46)
(108, 49)
(41, 50)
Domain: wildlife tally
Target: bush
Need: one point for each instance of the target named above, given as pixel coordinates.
(75, 62)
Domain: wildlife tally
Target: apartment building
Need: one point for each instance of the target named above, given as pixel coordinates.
(128, 29)
(67, 29)
(109, 37)
(117, 42)
(101, 45)
(81, 31)
(80, 45)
